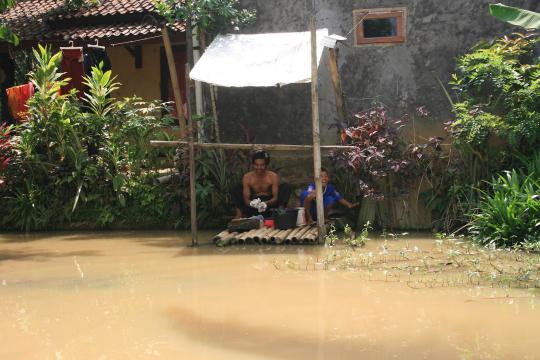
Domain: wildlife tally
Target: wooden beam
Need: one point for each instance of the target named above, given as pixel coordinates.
(336, 82)
(192, 192)
(270, 147)
(315, 130)
(174, 81)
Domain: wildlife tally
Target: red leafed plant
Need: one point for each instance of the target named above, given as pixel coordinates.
(379, 149)
(5, 149)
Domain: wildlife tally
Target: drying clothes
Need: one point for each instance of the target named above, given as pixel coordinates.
(73, 67)
(17, 97)
(92, 57)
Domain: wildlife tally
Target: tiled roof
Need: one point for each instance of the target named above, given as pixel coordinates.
(111, 19)
(108, 8)
(105, 31)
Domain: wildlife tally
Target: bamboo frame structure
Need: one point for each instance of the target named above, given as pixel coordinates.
(270, 147)
(277, 236)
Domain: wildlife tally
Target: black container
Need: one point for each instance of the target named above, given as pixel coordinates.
(285, 219)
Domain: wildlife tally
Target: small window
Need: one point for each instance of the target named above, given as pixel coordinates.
(379, 26)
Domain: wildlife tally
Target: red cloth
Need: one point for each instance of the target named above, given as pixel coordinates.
(17, 97)
(73, 66)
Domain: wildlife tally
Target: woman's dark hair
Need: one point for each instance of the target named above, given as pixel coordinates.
(260, 154)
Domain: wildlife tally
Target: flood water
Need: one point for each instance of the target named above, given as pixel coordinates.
(146, 295)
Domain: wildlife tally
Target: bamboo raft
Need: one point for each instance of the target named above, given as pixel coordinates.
(300, 235)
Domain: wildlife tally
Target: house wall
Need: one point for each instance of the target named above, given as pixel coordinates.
(143, 82)
(401, 76)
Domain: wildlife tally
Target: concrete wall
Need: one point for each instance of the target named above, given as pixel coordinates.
(143, 82)
(401, 76)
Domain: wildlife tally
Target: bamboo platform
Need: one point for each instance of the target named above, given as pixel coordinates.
(300, 235)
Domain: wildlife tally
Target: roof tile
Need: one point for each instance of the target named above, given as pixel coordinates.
(47, 20)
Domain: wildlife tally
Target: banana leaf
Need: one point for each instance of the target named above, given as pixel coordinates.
(515, 16)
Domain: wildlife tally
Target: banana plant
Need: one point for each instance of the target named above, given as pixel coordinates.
(516, 16)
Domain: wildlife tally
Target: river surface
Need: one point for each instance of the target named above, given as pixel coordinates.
(148, 295)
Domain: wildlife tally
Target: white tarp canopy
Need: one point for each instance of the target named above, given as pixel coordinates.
(258, 59)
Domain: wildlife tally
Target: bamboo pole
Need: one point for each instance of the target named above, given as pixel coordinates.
(311, 234)
(259, 234)
(192, 192)
(279, 236)
(174, 81)
(285, 235)
(336, 82)
(220, 235)
(315, 126)
(213, 99)
(245, 235)
(273, 234)
(270, 147)
(292, 234)
(301, 233)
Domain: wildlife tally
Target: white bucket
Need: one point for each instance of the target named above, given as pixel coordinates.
(301, 217)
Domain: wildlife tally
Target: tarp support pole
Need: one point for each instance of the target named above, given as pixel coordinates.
(174, 81)
(316, 133)
(336, 82)
(192, 192)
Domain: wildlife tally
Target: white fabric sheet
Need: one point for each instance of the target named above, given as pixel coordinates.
(258, 59)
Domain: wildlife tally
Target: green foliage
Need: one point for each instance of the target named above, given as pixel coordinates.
(510, 213)
(331, 236)
(213, 16)
(353, 240)
(217, 172)
(474, 126)
(515, 16)
(77, 4)
(85, 164)
(23, 66)
(498, 87)
(7, 35)
(497, 118)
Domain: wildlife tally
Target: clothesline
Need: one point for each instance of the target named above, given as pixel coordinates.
(138, 40)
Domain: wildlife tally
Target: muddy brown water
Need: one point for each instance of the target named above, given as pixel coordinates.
(148, 295)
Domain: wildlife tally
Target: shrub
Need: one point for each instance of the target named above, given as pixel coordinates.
(498, 86)
(84, 163)
(509, 213)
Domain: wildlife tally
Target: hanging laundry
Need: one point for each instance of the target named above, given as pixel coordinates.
(17, 97)
(93, 56)
(73, 66)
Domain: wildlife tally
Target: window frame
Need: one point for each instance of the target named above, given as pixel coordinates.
(359, 15)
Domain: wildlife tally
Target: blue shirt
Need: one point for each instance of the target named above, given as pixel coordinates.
(330, 197)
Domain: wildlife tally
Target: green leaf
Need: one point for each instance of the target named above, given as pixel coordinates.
(516, 16)
(6, 34)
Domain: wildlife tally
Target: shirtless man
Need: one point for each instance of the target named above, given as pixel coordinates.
(263, 184)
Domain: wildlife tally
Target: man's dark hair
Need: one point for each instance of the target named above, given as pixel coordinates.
(325, 170)
(260, 154)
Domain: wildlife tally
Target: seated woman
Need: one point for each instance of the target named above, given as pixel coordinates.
(263, 184)
(330, 197)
